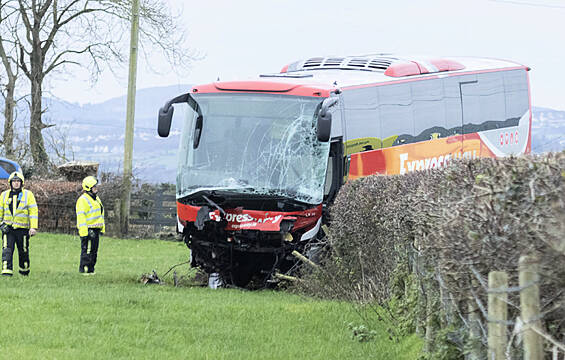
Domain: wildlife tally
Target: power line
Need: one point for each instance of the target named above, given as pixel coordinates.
(529, 4)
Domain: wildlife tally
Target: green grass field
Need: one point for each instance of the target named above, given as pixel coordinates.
(56, 313)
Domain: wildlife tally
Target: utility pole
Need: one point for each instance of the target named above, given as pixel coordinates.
(128, 142)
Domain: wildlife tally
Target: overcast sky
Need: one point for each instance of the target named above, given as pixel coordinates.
(240, 39)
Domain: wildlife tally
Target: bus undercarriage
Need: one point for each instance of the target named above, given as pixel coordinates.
(251, 248)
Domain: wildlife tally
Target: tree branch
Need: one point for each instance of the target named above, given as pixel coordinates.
(23, 62)
(43, 10)
(23, 14)
(5, 60)
(55, 62)
(57, 23)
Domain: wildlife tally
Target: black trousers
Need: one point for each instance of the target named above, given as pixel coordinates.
(19, 238)
(89, 251)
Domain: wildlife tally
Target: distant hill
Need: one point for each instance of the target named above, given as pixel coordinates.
(95, 132)
(548, 130)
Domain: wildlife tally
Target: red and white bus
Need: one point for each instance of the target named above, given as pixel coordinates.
(260, 160)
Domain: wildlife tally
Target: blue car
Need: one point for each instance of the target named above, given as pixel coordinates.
(7, 167)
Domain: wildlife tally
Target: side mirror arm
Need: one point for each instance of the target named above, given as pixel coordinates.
(166, 113)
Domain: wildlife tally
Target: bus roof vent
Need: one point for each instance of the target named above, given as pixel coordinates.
(333, 61)
(380, 63)
(367, 63)
(389, 65)
(313, 62)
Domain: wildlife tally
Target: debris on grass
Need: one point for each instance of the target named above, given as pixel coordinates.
(151, 279)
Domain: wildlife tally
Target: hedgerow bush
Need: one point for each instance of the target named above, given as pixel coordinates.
(419, 247)
(56, 200)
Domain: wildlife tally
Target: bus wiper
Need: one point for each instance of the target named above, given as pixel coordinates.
(203, 214)
(248, 189)
(222, 211)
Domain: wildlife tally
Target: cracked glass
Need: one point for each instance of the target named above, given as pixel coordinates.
(254, 143)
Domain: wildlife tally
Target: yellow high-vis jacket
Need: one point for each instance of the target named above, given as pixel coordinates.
(20, 210)
(90, 214)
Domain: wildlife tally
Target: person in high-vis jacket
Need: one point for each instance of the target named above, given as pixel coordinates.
(90, 224)
(19, 220)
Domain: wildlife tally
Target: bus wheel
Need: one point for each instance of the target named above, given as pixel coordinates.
(241, 276)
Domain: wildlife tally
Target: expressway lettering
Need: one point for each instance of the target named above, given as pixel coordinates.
(436, 162)
(244, 218)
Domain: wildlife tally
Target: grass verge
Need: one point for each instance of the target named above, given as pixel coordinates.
(58, 313)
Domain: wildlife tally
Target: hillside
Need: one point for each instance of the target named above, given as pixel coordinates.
(95, 132)
(548, 130)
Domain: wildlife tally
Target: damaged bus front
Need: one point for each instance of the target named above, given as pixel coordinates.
(251, 178)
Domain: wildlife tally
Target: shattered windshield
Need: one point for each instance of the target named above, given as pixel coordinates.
(254, 143)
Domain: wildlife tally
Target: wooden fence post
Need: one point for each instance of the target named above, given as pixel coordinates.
(432, 309)
(421, 319)
(474, 330)
(117, 217)
(497, 314)
(416, 271)
(158, 217)
(530, 306)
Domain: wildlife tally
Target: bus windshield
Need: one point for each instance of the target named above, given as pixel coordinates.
(254, 143)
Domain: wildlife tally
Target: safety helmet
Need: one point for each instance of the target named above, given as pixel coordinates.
(88, 183)
(16, 174)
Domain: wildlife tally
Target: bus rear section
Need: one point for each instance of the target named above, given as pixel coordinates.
(426, 123)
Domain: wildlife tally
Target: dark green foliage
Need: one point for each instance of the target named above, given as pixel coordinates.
(420, 246)
(361, 333)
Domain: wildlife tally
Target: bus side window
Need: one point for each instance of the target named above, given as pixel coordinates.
(516, 91)
(483, 102)
(361, 119)
(396, 114)
(492, 102)
(429, 110)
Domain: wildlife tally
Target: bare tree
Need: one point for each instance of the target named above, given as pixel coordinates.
(8, 11)
(88, 33)
(59, 144)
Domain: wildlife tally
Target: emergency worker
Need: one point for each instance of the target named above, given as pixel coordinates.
(90, 224)
(19, 216)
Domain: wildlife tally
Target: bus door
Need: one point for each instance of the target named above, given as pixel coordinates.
(337, 162)
(335, 170)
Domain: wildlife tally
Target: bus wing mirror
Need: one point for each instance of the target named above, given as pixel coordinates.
(165, 118)
(324, 127)
(325, 119)
(166, 114)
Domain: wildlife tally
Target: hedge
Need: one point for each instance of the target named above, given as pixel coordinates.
(421, 245)
(56, 202)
